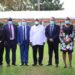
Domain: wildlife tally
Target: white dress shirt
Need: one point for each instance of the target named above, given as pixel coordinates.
(37, 35)
(12, 29)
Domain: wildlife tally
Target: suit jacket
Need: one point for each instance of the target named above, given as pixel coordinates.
(7, 33)
(55, 33)
(2, 37)
(20, 34)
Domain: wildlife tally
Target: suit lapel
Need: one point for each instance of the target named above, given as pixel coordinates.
(49, 28)
(54, 29)
(21, 28)
(8, 30)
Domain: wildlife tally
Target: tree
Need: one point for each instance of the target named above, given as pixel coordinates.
(19, 5)
(7, 4)
(15, 5)
(47, 4)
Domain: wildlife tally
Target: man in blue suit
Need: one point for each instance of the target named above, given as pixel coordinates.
(23, 40)
(52, 33)
(10, 41)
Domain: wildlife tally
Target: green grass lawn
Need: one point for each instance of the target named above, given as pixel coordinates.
(38, 70)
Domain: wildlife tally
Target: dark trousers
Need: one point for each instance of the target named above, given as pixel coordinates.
(11, 45)
(24, 48)
(1, 53)
(39, 49)
(53, 47)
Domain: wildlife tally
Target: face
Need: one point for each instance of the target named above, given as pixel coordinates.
(36, 22)
(52, 21)
(67, 22)
(10, 23)
(19, 23)
(23, 22)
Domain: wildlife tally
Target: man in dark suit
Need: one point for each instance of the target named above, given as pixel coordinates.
(23, 40)
(10, 41)
(1, 45)
(52, 33)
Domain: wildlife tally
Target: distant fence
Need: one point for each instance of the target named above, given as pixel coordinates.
(42, 21)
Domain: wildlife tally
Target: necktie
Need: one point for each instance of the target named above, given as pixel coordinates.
(51, 30)
(24, 33)
(10, 31)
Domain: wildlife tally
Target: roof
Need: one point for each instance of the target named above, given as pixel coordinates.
(37, 14)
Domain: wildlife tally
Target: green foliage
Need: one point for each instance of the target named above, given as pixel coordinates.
(47, 4)
(18, 5)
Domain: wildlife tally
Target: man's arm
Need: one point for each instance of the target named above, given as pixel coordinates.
(46, 32)
(31, 35)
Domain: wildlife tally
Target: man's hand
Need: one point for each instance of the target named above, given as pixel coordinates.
(51, 40)
(19, 44)
(44, 43)
(0, 41)
(5, 43)
(30, 43)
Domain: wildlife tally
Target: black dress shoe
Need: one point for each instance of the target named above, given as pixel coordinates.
(41, 64)
(34, 64)
(49, 65)
(14, 64)
(65, 66)
(22, 64)
(26, 64)
(1, 64)
(56, 65)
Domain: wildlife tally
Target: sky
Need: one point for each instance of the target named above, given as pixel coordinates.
(69, 4)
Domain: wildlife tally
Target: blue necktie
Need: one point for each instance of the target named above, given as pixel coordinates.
(51, 29)
(24, 33)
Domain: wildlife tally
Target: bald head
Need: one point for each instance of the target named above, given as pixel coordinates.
(52, 19)
(67, 18)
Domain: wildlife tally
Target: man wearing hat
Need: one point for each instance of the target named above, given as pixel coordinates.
(10, 41)
(23, 40)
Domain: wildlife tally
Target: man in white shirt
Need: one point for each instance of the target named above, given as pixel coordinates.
(37, 40)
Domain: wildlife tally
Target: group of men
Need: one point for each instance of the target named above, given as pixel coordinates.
(24, 35)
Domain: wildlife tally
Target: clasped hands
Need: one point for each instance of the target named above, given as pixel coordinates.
(51, 40)
(67, 40)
